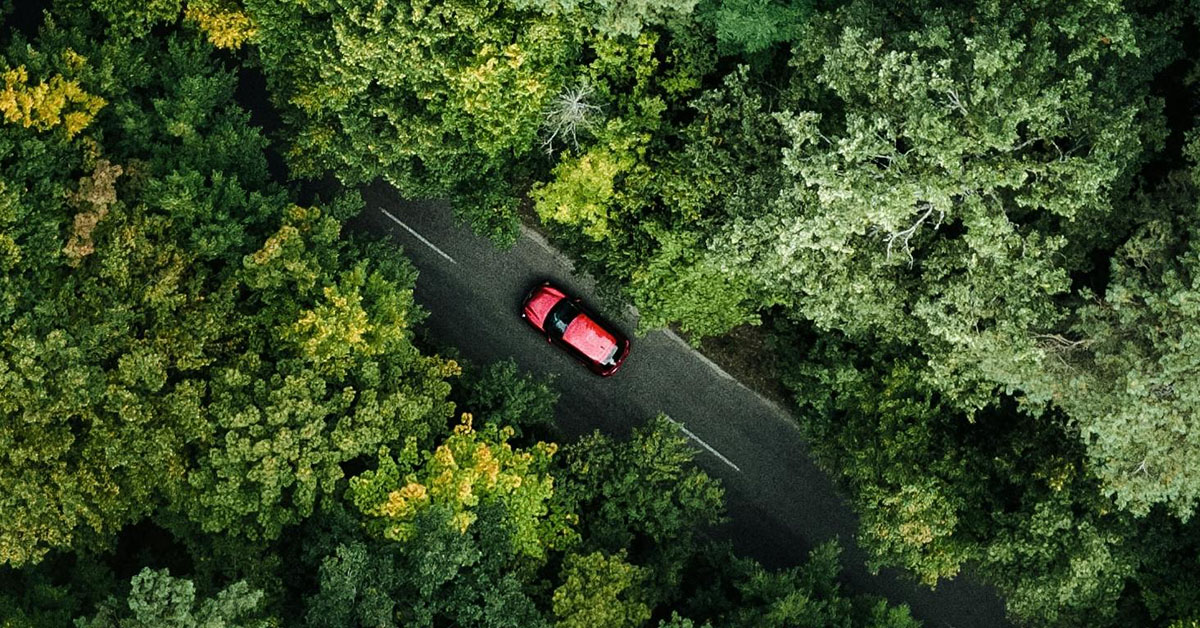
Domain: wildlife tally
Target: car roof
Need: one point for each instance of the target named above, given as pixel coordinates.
(589, 337)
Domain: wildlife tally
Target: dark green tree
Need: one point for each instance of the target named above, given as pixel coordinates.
(645, 494)
(499, 394)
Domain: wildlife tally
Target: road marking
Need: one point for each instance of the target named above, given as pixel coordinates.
(704, 445)
(712, 365)
(418, 236)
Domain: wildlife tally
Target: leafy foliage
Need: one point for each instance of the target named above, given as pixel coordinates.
(754, 25)
(468, 471)
(436, 99)
(596, 591)
(158, 600)
(500, 395)
(162, 346)
(48, 104)
(968, 228)
(643, 493)
(1127, 372)
(964, 209)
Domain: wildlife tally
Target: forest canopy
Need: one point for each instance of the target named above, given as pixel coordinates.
(963, 234)
(217, 411)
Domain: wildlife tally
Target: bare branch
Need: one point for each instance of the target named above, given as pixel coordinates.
(1023, 144)
(1141, 468)
(1062, 343)
(1061, 347)
(906, 235)
(566, 115)
(1061, 155)
(956, 102)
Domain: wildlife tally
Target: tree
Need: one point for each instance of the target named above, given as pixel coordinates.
(458, 535)
(470, 470)
(613, 18)
(939, 188)
(357, 585)
(435, 99)
(913, 157)
(178, 332)
(742, 594)
(68, 301)
(502, 396)
(339, 378)
(755, 25)
(732, 137)
(1127, 370)
(936, 491)
(156, 600)
(644, 493)
(599, 590)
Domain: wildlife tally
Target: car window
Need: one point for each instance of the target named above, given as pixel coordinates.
(611, 358)
(560, 317)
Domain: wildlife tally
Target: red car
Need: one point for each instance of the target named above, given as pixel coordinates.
(567, 324)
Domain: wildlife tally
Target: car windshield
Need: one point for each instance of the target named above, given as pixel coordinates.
(560, 317)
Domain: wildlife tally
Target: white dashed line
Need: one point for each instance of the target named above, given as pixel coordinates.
(705, 445)
(712, 365)
(418, 236)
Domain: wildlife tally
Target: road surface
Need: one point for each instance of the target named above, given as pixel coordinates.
(780, 505)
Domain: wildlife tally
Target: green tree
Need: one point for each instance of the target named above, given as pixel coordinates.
(1127, 371)
(947, 130)
(458, 536)
(599, 590)
(936, 491)
(469, 470)
(501, 395)
(94, 426)
(733, 137)
(341, 377)
(644, 493)
(755, 25)
(156, 600)
(437, 99)
(357, 584)
(740, 593)
(161, 345)
(613, 18)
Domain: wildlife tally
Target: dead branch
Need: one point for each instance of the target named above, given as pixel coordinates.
(566, 115)
(906, 235)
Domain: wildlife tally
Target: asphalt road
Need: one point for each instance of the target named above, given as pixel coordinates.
(780, 505)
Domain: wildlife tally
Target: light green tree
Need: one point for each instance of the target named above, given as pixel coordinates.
(599, 590)
(469, 470)
(438, 99)
(156, 600)
(614, 18)
(1127, 369)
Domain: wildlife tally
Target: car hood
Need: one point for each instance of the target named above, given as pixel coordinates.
(540, 302)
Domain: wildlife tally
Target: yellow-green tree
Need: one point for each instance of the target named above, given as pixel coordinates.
(178, 334)
(600, 590)
(468, 471)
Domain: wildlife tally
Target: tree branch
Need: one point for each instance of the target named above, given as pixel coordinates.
(906, 235)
